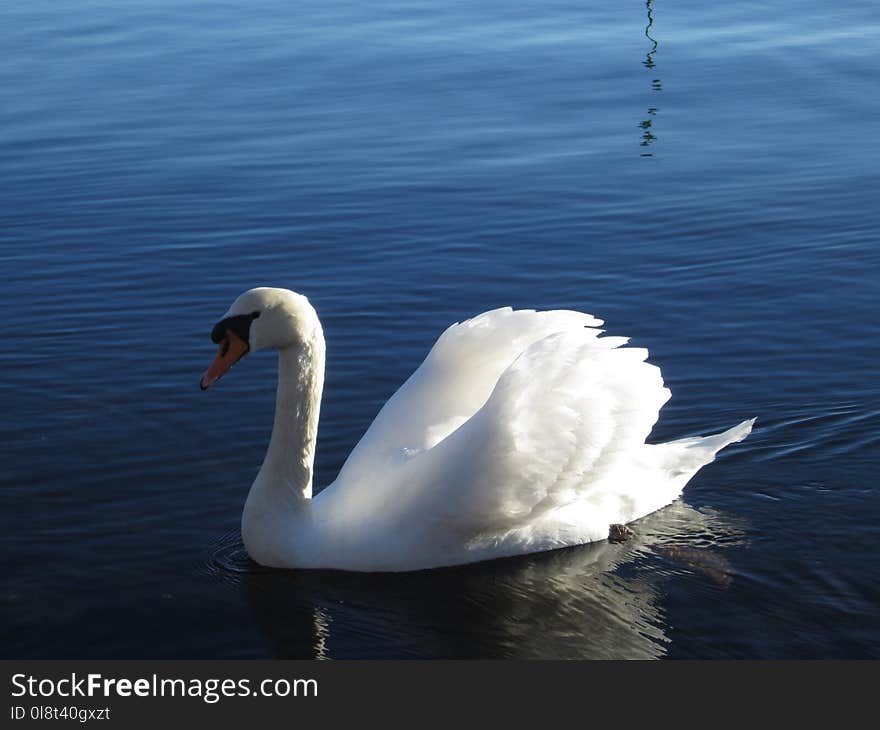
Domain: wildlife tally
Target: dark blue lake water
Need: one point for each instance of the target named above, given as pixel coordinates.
(702, 176)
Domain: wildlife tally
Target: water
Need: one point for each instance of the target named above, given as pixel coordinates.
(701, 176)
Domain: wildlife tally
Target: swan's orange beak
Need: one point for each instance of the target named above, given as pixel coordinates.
(232, 349)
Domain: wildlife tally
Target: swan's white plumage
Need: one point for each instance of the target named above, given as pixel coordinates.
(521, 431)
(453, 382)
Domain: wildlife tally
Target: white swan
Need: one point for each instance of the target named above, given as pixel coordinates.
(521, 431)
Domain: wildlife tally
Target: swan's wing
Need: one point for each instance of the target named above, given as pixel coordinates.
(454, 381)
(564, 429)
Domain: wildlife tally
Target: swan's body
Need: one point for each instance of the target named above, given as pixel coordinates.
(521, 431)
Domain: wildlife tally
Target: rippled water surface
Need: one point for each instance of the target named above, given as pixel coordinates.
(701, 176)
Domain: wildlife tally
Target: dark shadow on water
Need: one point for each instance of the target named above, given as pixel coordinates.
(595, 601)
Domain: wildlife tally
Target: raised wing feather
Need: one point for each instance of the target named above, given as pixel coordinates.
(454, 381)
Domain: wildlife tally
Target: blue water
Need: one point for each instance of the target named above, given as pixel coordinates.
(702, 176)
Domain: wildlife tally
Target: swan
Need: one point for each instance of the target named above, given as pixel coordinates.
(521, 431)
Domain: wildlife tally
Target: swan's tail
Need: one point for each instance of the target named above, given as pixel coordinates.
(688, 455)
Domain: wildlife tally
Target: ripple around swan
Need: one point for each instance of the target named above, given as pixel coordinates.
(837, 429)
(227, 559)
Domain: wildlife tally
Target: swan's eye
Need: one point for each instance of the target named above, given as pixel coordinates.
(255, 315)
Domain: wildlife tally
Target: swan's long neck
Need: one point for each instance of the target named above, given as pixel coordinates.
(281, 494)
(290, 459)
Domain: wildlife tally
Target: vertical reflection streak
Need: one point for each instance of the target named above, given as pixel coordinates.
(647, 125)
(322, 633)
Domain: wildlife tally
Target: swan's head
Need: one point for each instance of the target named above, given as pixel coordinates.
(260, 319)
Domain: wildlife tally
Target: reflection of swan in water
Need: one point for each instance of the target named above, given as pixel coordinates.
(596, 601)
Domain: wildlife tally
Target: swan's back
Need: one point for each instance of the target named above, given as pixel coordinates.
(521, 431)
